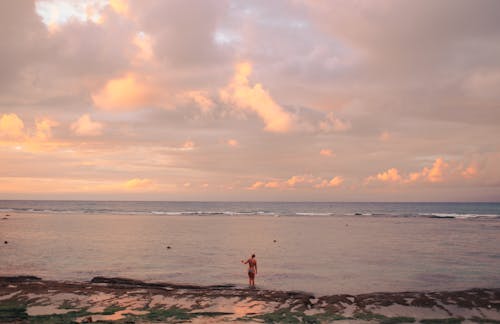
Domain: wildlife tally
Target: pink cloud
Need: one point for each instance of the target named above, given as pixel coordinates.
(188, 145)
(272, 184)
(39, 139)
(138, 184)
(85, 126)
(326, 152)
(391, 175)
(334, 124)
(435, 174)
(120, 6)
(469, 172)
(144, 45)
(127, 93)
(11, 127)
(438, 172)
(233, 143)
(385, 136)
(200, 98)
(334, 182)
(298, 181)
(257, 185)
(44, 128)
(243, 95)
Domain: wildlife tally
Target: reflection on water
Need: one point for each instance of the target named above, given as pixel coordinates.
(323, 255)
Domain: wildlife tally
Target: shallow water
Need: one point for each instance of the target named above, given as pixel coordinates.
(323, 255)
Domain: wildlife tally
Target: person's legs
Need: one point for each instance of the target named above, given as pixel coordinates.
(251, 277)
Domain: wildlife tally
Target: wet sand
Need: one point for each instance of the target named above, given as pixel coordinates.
(28, 299)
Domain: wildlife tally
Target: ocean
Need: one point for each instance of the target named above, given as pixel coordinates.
(323, 248)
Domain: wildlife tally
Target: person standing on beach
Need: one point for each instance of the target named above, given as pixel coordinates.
(252, 270)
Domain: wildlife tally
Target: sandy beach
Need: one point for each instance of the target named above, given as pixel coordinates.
(28, 299)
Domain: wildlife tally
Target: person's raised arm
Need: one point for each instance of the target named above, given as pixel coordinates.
(244, 262)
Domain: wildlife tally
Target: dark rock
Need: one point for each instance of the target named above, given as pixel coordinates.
(423, 301)
(274, 241)
(443, 217)
(169, 247)
(20, 279)
(5, 242)
(117, 281)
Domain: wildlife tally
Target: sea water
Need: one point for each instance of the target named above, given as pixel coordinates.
(323, 248)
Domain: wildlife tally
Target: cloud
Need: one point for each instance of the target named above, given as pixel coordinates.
(44, 128)
(127, 93)
(37, 139)
(85, 126)
(183, 30)
(368, 68)
(188, 145)
(139, 184)
(232, 142)
(334, 182)
(385, 136)
(334, 124)
(326, 152)
(119, 6)
(11, 127)
(272, 184)
(65, 185)
(240, 93)
(298, 181)
(470, 172)
(391, 175)
(257, 185)
(438, 172)
(201, 98)
(435, 174)
(144, 45)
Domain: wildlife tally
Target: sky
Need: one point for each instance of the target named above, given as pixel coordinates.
(387, 100)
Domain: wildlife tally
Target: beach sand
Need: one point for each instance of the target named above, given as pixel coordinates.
(28, 299)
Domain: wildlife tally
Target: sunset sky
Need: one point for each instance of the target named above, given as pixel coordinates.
(250, 100)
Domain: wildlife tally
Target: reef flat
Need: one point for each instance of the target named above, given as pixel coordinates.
(28, 299)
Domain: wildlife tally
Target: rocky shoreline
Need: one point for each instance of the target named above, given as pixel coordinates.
(28, 299)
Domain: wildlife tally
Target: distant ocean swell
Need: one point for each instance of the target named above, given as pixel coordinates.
(247, 213)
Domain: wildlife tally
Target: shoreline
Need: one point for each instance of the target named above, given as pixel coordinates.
(29, 299)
